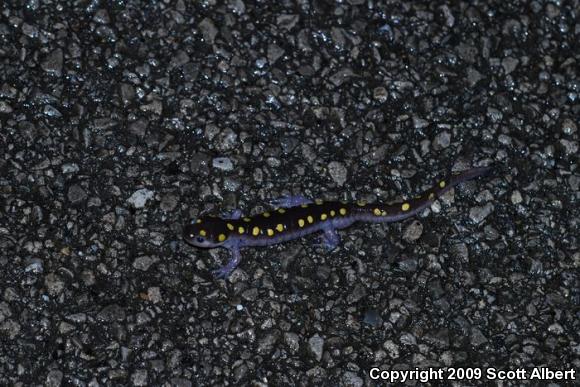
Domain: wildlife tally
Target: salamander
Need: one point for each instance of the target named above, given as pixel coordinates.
(296, 216)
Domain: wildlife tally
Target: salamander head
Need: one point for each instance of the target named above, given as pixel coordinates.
(207, 232)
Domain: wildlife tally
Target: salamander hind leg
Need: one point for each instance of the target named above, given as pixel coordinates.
(290, 201)
(330, 239)
(225, 271)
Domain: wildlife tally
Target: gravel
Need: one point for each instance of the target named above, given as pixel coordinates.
(121, 121)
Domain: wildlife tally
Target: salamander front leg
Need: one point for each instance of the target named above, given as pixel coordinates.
(290, 201)
(330, 239)
(225, 271)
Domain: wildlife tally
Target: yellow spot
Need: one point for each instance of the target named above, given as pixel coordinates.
(255, 231)
(305, 205)
(323, 216)
(318, 201)
(301, 222)
(281, 210)
(342, 211)
(230, 226)
(332, 213)
(241, 230)
(270, 232)
(442, 184)
(266, 214)
(377, 212)
(431, 196)
(361, 203)
(221, 237)
(247, 220)
(280, 227)
(198, 221)
(202, 233)
(310, 219)
(405, 207)
(383, 213)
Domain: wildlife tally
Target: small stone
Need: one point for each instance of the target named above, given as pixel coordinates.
(357, 294)
(54, 284)
(144, 262)
(292, 341)
(70, 168)
(460, 252)
(316, 346)
(5, 311)
(140, 198)
(54, 378)
(138, 128)
(102, 16)
(154, 294)
(53, 63)
(180, 382)
(34, 265)
(509, 64)
(351, 379)
(413, 231)
(408, 265)
(478, 214)
(569, 147)
(556, 329)
(223, 163)
(76, 194)
(127, 93)
(392, 349)
(51, 111)
(337, 172)
(111, 313)
(10, 328)
(208, 30)
(226, 140)
(477, 337)
(169, 202)
(5, 108)
(341, 76)
(274, 53)
(139, 378)
(420, 123)
(473, 76)
(516, 197)
(380, 94)
(569, 126)
(268, 342)
(77, 318)
(442, 140)
(372, 318)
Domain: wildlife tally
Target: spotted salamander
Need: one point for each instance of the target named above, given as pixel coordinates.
(297, 216)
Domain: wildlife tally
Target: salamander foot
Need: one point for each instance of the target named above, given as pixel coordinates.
(225, 271)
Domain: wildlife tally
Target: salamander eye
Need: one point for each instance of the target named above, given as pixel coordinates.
(200, 239)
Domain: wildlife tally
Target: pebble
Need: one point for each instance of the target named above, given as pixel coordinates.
(223, 163)
(516, 197)
(144, 262)
(337, 172)
(316, 346)
(413, 231)
(479, 213)
(140, 198)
